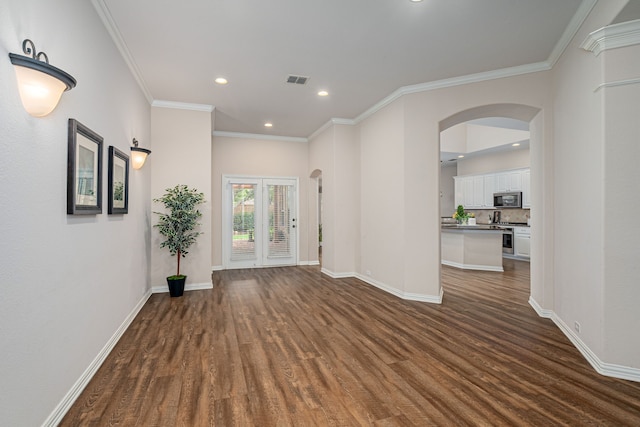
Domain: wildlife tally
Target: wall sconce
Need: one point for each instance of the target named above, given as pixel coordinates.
(138, 155)
(40, 84)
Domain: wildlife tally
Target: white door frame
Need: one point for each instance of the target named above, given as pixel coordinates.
(227, 220)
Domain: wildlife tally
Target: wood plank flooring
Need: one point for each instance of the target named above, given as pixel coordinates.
(292, 347)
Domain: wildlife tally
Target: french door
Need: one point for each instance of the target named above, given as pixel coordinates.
(259, 221)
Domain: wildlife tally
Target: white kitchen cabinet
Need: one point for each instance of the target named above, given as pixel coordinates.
(459, 191)
(526, 189)
(476, 191)
(489, 189)
(509, 181)
(468, 192)
(522, 240)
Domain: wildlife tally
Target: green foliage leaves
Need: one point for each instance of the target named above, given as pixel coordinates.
(178, 223)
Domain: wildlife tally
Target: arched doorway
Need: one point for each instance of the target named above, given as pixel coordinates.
(532, 116)
(315, 230)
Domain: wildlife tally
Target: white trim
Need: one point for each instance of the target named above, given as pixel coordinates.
(401, 294)
(613, 36)
(329, 123)
(112, 28)
(607, 369)
(572, 29)
(217, 268)
(603, 368)
(337, 275)
(472, 266)
(63, 407)
(259, 136)
(183, 106)
(548, 314)
(389, 289)
(190, 287)
(617, 83)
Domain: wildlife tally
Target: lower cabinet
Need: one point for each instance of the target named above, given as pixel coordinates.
(522, 240)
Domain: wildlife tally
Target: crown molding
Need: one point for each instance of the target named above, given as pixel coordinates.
(612, 37)
(572, 29)
(329, 123)
(456, 81)
(259, 136)
(183, 106)
(105, 15)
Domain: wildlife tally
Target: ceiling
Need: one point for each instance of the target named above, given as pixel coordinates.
(360, 51)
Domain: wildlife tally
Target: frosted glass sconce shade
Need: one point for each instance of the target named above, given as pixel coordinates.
(40, 85)
(138, 155)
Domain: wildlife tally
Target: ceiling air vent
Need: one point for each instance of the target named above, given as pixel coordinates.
(298, 80)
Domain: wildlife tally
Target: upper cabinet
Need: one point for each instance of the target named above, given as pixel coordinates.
(509, 181)
(476, 191)
(526, 189)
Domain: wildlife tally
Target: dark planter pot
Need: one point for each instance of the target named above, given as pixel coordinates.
(176, 285)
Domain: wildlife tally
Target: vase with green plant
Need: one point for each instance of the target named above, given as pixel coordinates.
(177, 225)
(460, 215)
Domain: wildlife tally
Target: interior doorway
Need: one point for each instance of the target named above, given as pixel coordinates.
(524, 118)
(316, 177)
(259, 221)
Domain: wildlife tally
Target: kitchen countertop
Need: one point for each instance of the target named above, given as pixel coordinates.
(479, 227)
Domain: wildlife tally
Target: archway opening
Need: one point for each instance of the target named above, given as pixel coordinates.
(316, 206)
(506, 129)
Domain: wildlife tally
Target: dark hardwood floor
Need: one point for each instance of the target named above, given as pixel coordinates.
(292, 347)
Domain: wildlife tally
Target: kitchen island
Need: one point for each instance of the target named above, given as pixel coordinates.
(472, 247)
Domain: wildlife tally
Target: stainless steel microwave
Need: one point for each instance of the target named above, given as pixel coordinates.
(507, 200)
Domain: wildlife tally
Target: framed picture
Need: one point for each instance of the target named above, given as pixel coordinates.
(84, 170)
(118, 182)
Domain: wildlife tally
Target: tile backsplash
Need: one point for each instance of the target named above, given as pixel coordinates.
(508, 215)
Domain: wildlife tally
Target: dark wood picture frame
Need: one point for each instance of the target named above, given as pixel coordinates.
(118, 182)
(84, 170)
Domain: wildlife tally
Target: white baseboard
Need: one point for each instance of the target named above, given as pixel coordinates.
(59, 412)
(302, 263)
(541, 311)
(401, 294)
(334, 275)
(189, 287)
(473, 266)
(603, 368)
(389, 289)
(217, 268)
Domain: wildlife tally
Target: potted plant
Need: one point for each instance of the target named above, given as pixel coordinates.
(177, 225)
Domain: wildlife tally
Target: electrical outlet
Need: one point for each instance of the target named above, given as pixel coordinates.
(577, 327)
(368, 273)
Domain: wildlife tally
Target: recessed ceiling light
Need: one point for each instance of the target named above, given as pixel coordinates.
(323, 93)
(460, 156)
(221, 81)
(268, 125)
(415, 1)
(515, 144)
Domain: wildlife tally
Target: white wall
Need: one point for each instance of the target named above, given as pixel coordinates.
(347, 197)
(621, 154)
(182, 143)
(322, 158)
(382, 197)
(597, 134)
(447, 187)
(503, 160)
(69, 282)
(260, 157)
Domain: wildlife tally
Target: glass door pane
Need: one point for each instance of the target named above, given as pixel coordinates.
(243, 243)
(280, 223)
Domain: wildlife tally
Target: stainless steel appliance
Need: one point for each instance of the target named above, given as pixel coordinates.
(507, 200)
(507, 240)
